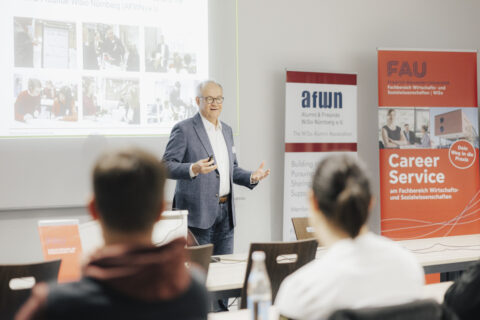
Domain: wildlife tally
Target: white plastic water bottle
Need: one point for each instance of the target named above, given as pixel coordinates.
(259, 291)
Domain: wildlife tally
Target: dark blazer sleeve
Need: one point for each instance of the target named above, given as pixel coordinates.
(463, 295)
(175, 153)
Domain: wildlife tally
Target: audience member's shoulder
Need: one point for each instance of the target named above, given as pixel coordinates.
(383, 243)
(85, 291)
(398, 255)
(56, 301)
(195, 297)
(462, 296)
(321, 270)
(301, 295)
(302, 279)
(90, 298)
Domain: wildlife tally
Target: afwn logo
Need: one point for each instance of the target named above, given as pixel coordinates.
(405, 69)
(322, 99)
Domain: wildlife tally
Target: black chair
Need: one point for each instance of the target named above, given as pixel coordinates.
(417, 310)
(278, 261)
(301, 227)
(200, 255)
(10, 298)
(463, 296)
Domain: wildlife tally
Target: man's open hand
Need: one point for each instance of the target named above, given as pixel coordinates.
(260, 173)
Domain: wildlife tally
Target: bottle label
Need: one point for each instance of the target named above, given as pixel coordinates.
(258, 308)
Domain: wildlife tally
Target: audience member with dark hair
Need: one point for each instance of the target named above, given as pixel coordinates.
(359, 269)
(129, 278)
(463, 296)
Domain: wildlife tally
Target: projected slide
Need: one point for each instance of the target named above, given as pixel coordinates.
(112, 67)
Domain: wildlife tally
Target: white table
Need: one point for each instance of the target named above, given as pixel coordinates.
(446, 254)
(225, 278)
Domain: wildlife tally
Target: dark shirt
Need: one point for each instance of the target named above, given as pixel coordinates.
(125, 283)
(393, 134)
(90, 299)
(463, 296)
(410, 136)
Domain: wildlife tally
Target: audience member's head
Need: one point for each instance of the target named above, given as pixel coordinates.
(340, 198)
(128, 191)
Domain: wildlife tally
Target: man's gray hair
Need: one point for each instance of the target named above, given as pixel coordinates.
(202, 85)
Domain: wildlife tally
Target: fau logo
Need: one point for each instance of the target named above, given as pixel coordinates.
(406, 69)
(319, 99)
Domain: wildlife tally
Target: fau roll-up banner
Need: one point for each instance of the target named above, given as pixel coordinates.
(428, 140)
(61, 240)
(320, 120)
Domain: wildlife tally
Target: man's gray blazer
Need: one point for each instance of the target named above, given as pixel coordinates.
(189, 143)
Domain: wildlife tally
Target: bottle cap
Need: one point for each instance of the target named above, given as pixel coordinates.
(258, 256)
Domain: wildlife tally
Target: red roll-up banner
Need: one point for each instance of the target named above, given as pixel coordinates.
(428, 140)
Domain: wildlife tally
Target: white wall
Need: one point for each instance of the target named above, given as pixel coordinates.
(317, 35)
(332, 36)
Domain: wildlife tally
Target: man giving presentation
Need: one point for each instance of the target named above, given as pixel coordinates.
(200, 155)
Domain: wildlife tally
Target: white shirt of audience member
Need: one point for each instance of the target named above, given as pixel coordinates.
(367, 271)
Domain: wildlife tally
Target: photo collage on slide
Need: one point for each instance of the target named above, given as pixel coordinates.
(114, 76)
(426, 127)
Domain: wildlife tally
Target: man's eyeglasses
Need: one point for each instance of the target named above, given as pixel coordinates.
(218, 100)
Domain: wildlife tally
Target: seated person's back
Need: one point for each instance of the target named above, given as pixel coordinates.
(129, 278)
(359, 269)
(463, 296)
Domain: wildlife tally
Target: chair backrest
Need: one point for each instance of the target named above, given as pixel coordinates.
(191, 240)
(281, 259)
(417, 310)
(12, 299)
(302, 228)
(200, 255)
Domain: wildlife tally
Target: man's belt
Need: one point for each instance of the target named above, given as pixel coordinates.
(223, 199)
